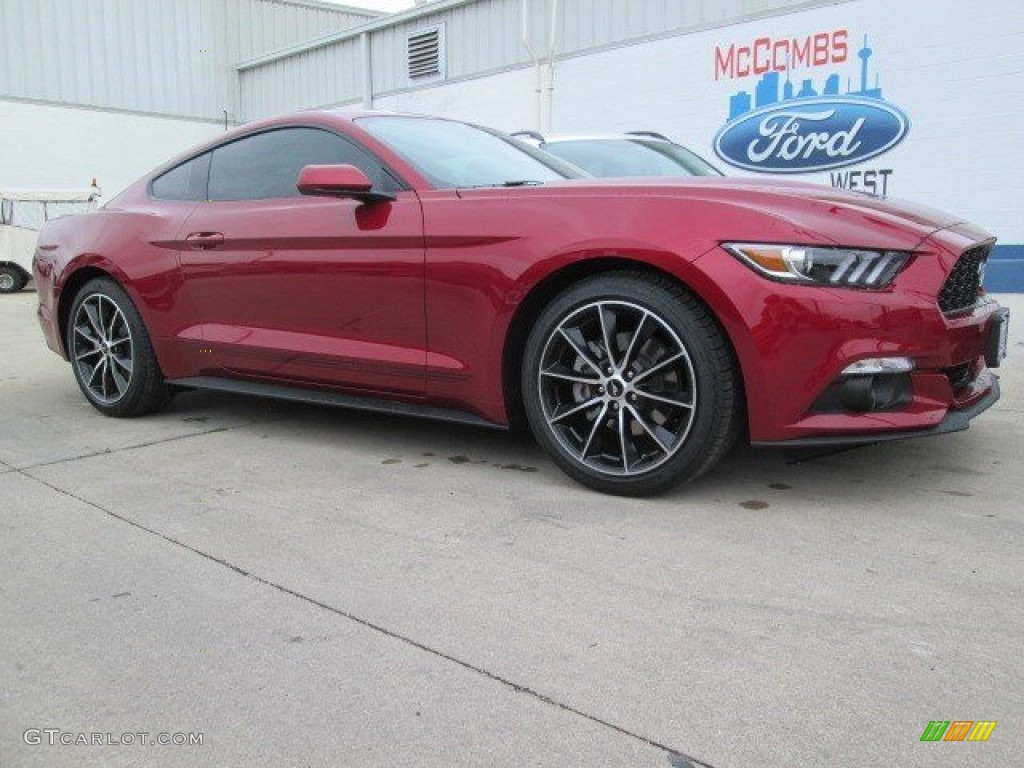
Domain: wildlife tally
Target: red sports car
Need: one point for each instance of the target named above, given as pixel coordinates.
(429, 267)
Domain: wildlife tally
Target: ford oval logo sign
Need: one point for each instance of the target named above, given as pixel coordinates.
(812, 134)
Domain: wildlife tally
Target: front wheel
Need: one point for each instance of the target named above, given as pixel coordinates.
(111, 353)
(629, 384)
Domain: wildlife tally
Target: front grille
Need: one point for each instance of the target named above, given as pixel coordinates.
(960, 291)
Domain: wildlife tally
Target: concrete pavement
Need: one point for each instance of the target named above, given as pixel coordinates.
(319, 587)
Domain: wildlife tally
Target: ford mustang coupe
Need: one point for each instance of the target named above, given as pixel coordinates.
(425, 266)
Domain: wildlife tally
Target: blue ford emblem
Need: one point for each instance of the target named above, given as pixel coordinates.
(811, 134)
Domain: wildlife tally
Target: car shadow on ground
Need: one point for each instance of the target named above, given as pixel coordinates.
(956, 465)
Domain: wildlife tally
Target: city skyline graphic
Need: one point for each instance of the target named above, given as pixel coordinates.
(767, 90)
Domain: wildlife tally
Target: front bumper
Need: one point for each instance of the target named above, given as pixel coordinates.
(44, 271)
(955, 421)
(793, 343)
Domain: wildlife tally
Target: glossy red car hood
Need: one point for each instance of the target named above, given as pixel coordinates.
(838, 215)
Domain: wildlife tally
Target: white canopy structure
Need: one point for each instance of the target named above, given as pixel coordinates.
(50, 195)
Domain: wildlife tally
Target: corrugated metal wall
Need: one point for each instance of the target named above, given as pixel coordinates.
(179, 57)
(173, 57)
(329, 75)
(483, 36)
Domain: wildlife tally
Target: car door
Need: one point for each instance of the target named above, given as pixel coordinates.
(306, 289)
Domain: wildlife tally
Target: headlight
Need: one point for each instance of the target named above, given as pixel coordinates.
(843, 267)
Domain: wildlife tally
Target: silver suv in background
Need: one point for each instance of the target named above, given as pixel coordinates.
(636, 153)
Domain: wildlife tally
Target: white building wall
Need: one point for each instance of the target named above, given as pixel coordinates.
(47, 146)
(956, 70)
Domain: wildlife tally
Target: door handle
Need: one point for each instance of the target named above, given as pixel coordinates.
(204, 241)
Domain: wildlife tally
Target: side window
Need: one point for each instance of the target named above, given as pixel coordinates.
(267, 165)
(184, 182)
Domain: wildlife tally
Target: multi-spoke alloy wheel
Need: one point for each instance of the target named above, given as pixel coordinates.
(617, 387)
(629, 384)
(111, 353)
(102, 348)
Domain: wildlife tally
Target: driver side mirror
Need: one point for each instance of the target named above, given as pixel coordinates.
(339, 181)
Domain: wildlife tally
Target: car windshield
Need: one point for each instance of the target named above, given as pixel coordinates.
(631, 157)
(452, 155)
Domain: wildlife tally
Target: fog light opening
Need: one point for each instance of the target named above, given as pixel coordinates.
(878, 392)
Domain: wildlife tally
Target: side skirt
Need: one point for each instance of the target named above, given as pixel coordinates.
(334, 399)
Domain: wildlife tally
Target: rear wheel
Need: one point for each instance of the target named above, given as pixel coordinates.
(12, 279)
(111, 353)
(629, 384)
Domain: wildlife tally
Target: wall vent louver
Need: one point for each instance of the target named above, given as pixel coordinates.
(426, 53)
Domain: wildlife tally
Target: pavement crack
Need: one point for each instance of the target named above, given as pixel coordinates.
(675, 757)
(134, 446)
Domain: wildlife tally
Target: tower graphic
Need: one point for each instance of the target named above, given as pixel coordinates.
(864, 54)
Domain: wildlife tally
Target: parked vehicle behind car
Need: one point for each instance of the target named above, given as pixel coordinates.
(429, 267)
(637, 153)
(22, 213)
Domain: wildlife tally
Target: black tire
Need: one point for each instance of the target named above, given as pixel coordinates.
(12, 279)
(661, 411)
(111, 353)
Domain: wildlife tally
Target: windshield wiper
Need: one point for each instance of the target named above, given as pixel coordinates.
(513, 183)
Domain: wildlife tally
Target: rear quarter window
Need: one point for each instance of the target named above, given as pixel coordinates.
(183, 182)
